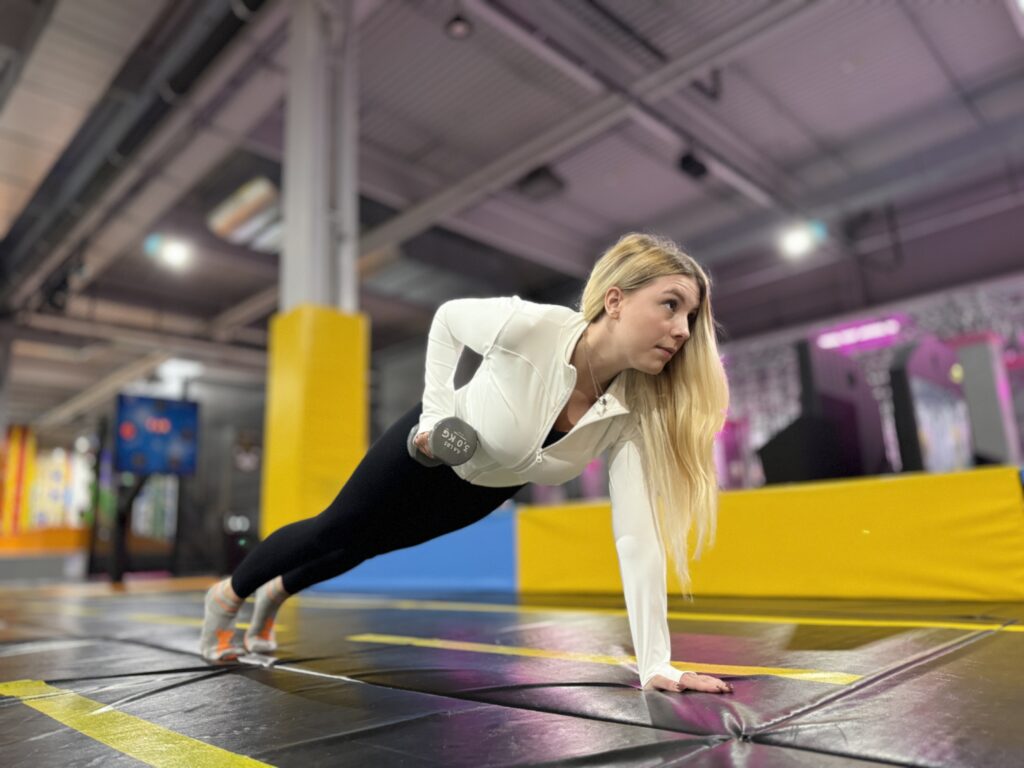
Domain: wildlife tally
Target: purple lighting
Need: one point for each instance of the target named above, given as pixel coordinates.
(872, 334)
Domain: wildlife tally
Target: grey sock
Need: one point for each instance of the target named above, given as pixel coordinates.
(260, 636)
(217, 642)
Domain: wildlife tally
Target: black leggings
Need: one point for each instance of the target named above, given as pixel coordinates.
(390, 502)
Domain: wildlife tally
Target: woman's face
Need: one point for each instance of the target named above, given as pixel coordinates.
(654, 321)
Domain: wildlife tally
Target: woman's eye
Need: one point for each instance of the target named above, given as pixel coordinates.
(671, 304)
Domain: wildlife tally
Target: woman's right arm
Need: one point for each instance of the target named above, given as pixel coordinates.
(473, 323)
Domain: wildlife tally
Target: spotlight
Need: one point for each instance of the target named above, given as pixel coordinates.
(176, 254)
(690, 165)
(458, 27)
(801, 239)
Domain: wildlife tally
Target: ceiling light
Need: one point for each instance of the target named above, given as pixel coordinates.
(797, 241)
(458, 27)
(177, 368)
(176, 254)
(1016, 8)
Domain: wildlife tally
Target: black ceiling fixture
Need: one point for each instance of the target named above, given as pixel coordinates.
(691, 165)
(540, 184)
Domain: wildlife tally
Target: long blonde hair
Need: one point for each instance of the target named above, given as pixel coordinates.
(681, 409)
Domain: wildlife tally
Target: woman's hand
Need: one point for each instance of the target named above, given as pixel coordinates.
(691, 681)
(422, 442)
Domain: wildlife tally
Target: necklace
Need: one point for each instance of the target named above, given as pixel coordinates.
(601, 398)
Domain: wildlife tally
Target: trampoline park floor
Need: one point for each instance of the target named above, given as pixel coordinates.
(90, 676)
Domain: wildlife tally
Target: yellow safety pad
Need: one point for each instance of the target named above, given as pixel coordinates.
(956, 536)
(317, 414)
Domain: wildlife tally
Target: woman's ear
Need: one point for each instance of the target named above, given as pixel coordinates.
(613, 301)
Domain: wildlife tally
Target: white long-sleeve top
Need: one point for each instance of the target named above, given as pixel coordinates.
(512, 401)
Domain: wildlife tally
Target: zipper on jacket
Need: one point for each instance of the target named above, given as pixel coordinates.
(538, 447)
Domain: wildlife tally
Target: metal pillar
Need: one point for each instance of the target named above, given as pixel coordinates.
(319, 259)
(346, 169)
(5, 377)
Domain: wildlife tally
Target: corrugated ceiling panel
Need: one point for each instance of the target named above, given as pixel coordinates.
(760, 117)
(74, 60)
(622, 182)
(998, 46)
(676, 27)
(482, 96)
(846, 71)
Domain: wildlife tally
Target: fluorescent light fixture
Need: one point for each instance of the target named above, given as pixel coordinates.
(250, 200)
(799, 240)
(875, 333)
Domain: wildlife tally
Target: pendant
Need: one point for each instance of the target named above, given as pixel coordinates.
(603, 403)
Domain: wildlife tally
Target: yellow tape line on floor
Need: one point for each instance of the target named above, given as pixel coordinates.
(743, 618)
(810, 675)
(133, 736)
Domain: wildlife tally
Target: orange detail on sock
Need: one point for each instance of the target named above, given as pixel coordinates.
(266, 629)
(224, 638)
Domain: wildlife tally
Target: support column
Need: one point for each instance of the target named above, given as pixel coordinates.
(5, 376)
(346, 171)
(317, 411)
(989, 399)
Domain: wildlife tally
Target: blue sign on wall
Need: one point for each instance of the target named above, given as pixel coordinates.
(155, 436)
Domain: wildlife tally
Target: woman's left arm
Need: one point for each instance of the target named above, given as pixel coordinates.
(641, 561)
(642, 564)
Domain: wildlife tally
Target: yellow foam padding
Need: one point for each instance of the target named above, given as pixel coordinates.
(45, 541)
(19, 476)
(956, 536)
(317, 413)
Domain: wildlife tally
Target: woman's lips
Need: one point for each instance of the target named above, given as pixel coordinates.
(667, 352)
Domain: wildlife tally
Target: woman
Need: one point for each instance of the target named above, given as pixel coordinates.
(636, 372)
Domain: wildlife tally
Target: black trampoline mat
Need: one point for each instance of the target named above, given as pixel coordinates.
(93, 676)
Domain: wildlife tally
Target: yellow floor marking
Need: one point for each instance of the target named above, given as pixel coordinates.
(130, 735)
(810, 675)
(743, 618)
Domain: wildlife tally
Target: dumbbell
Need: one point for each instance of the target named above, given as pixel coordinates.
(452, 441)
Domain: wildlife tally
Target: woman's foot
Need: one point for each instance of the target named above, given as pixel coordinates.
(260, 636)
(220, 609)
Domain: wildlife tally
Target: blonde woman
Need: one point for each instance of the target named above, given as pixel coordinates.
(635, 372)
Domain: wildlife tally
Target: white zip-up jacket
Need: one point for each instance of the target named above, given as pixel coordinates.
(516, 394)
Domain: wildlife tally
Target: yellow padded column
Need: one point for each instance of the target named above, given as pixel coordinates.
(317, 414)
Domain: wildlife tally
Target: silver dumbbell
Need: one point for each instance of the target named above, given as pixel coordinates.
(452, 441)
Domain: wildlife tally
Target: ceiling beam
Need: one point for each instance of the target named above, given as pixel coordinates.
(643, 113)
(584, 124)
(100, 392)
(884, 184)
(185, 346)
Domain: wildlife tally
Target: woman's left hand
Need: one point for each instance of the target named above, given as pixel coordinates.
(691, 681)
